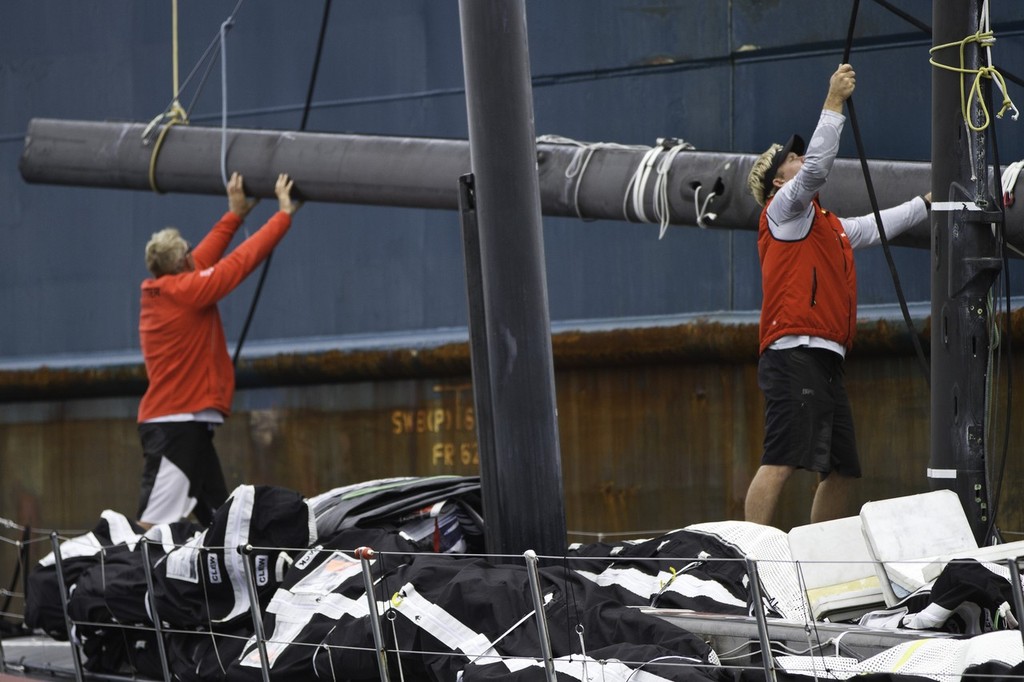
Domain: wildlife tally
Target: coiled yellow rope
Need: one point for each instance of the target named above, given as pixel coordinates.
(984, 39)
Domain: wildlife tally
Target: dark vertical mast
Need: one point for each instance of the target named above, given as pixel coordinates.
(522, 482)
(966, 263)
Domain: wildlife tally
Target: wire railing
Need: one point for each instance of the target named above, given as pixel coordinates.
(757, 644)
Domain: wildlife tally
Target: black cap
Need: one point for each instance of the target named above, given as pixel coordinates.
(796, 145)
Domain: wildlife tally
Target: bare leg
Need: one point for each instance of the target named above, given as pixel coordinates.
(763, 493)
(832, 498)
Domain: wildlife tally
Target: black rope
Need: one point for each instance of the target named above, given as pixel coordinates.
(572, 609)
(874, 208)
(302, 126)
(906, 17)
(995, 494)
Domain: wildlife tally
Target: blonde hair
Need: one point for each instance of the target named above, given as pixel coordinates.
(165, 252)
(755, 181)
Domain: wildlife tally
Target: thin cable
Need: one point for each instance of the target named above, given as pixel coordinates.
(175, 114)
(302, 126)
(995, 494)
(316, 65)
(906, 17)
(877, 213)
(662, 205)
(224, 28)
(207, 59)
(638, 184)
(174, 47)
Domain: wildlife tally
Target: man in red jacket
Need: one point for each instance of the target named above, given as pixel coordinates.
(191, 378)
(809, 313)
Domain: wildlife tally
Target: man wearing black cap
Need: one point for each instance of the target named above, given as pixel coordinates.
(809, 313)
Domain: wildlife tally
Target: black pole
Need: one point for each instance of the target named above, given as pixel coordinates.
(522, 483)
(966, 263)
(478, 353)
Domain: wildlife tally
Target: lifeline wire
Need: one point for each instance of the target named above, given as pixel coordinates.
(26, 535)
(874, 208)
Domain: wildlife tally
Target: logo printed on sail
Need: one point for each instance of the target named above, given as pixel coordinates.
(262, 572)
(306, 558)
(213, 569)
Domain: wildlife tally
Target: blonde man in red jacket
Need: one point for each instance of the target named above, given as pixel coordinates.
(191, 377)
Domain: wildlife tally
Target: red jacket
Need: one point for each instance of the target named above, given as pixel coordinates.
(809, 285)
(180, 330)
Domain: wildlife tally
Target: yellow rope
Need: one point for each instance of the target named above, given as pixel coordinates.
(984, 39)
(175, 114)
(156, 152)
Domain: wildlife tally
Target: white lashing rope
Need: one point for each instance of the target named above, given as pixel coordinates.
(702, 208)
(657, 160)
(580, 160)
(636, 189)
(661, 202)
(1009, 181)
(638, 183)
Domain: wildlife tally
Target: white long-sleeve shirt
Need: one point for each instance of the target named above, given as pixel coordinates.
(791, 213)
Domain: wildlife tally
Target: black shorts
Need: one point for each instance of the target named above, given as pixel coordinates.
(807, 419)
(188, 446)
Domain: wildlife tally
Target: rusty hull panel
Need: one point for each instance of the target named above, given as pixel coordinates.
(659, 428)
(696, 341)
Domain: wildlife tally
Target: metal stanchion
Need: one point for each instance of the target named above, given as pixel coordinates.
(64, 605)
(762, 622)
(151, 600)
(539, 614)
(365, 555)
(254, 610)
